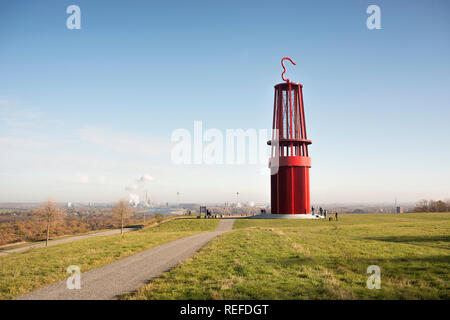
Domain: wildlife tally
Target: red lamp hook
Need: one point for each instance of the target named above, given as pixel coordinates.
(284, 68)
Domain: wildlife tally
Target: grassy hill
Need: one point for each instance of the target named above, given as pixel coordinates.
(310, 259)
(25, 271)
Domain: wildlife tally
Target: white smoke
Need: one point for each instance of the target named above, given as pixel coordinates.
(133, 199)
(131, 188)
(145, 178)
(136, 188)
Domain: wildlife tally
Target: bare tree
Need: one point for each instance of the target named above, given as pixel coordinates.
(440, 206)
(122, 209)
(48, 212)
(432, 206)
(422, 206)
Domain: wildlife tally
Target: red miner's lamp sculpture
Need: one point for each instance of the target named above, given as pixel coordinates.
(289, 161)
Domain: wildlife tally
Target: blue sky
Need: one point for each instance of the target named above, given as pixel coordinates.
(85, 113)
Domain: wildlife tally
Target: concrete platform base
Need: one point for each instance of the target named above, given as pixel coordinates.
(286, 216)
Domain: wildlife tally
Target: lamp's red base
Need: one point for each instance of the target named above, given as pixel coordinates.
(290, 191)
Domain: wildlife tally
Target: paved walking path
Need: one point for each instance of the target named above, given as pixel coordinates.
(131, 273)
(69, 239)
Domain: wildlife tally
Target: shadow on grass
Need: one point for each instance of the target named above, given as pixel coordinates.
(437, 264)
(412, 239)
(439, 242)
(436, 260)
(295, 261)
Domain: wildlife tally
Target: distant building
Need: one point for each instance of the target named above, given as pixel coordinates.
(399, 209)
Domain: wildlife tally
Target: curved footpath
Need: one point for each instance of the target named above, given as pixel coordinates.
(131, 273)
(80, 237)
(68, 239)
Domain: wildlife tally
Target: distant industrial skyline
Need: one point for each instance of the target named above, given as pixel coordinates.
(85, 114)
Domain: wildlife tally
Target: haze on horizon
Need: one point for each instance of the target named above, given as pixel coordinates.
(86, 115)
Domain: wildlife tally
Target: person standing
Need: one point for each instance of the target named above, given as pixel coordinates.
(312, 210)
(325, 214)
(336, 215)
(321, 211)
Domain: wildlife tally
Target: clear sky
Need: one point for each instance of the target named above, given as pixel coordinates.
(85, 113)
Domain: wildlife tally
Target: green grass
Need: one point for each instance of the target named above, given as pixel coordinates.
(23, 272)
(311, 259)
(22, 244)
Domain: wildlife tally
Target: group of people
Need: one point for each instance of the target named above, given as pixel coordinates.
(323, 212)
